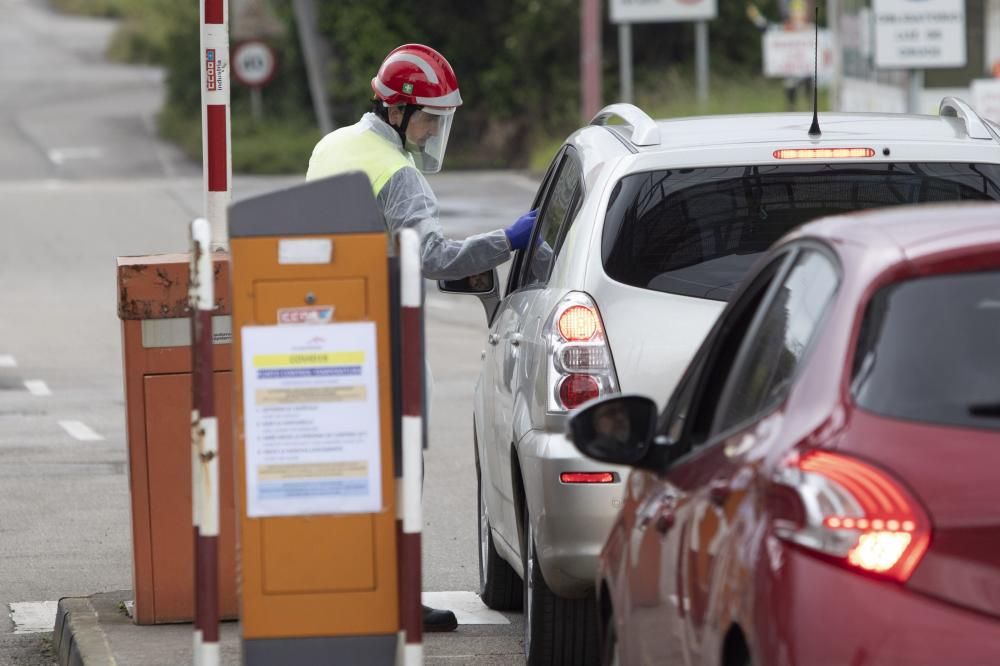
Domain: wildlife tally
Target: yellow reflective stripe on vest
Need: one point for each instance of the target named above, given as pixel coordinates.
(354, 149)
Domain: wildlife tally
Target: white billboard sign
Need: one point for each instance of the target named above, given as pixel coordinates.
(650, 11)
(919, 34)
(790, 54)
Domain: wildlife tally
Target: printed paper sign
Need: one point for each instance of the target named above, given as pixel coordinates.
(311, 417)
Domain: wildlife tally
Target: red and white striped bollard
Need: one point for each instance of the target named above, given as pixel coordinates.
(204, 450)
(409, 496)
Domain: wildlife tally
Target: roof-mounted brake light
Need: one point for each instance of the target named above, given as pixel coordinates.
(823, 153)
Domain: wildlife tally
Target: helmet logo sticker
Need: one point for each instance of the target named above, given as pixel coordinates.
(408, 88)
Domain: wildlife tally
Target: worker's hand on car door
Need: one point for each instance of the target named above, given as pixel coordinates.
(519, 233)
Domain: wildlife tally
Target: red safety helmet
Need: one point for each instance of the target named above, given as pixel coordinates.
(419, 78)
(419, 75)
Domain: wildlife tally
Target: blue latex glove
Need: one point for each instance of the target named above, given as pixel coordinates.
(519, 233)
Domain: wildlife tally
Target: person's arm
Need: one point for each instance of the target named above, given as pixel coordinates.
(407, 201)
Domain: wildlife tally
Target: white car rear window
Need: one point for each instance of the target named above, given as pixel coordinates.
(697, 232)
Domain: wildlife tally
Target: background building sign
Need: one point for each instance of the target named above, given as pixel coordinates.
(919, 34)
(790, 54)
(640, 11)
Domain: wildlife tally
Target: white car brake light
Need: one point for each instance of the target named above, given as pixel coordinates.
(823, 153)
(580, 363)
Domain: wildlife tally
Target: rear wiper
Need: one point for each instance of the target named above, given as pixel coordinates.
(986, 409)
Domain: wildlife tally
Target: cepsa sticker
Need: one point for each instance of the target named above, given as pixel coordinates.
(317, 314)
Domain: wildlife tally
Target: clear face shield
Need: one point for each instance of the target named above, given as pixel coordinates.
(427, 137)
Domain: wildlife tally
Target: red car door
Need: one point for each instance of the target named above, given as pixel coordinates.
(725, 418)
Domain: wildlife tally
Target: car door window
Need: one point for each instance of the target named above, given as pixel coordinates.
(692, 406)
(778, 341)
(540, 198)
(554, 218)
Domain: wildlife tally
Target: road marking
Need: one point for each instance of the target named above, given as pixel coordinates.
(7, 361)
(59, 156)
(436, 304)
(78, 430)
(37, 387)
(32, 617)
(467, 607)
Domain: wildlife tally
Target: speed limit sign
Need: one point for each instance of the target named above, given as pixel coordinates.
(253, 64)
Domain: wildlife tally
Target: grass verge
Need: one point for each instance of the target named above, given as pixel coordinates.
(673, 95)
(269, 147)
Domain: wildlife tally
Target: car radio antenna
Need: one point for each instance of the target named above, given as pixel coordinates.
(814, 130)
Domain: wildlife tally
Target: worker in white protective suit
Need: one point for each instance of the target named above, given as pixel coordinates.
(402, 138)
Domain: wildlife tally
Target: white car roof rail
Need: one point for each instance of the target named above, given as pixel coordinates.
(974, 125)
(645, 131)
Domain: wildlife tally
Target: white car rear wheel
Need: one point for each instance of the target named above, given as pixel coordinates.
(557, 631)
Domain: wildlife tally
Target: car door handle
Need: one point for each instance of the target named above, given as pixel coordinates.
(665, 520)
(493, 339)
(719, 491)
(515, 339)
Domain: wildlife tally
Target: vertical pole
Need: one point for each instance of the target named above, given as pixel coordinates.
(625, 61)
(833, 26)
(701, 60)
(590, 58)
(215, 123)
(204, 450)
(256, 104)
(916, 91)
(305, 22)
(410, 509)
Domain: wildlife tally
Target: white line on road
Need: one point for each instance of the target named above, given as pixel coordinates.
(79, 430)
(60, 155)
(32, 617)
(7, 361)
(467, 607)
(37, 387)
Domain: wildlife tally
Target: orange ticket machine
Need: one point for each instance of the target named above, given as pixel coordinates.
(156, 346)
(314, 426)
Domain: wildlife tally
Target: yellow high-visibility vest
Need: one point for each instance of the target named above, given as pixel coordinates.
(356, 148)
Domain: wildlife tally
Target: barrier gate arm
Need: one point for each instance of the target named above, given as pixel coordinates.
(410, 511)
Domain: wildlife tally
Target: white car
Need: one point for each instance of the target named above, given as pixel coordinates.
(645, 229)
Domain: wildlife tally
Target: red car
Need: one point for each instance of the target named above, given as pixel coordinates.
(824, 485)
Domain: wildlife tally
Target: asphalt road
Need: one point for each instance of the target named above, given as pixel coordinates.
(83, 180)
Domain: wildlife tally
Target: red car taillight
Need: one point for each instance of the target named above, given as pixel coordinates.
(853, 512)
(580, 366)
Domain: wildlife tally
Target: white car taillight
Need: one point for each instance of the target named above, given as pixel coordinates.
(580, 364)
(851, 512)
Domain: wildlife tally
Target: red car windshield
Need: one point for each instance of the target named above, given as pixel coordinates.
(930, 351)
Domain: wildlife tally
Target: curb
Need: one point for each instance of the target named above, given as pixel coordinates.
(78, 639)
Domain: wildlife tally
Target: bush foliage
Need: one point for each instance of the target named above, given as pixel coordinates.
(517, 62)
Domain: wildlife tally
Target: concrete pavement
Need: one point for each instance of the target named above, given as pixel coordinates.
(83, 179)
